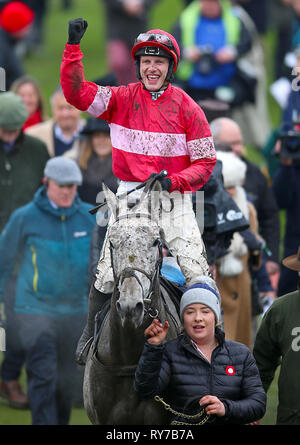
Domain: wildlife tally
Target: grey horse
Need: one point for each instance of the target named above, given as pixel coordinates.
(136, 253)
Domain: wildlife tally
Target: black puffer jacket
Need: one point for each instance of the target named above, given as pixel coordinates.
(176, 371)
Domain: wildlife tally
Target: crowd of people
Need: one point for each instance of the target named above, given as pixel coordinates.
(187, 100)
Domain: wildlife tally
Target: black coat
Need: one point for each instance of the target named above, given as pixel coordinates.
(9, 60)
(263, 199)
(176, 371)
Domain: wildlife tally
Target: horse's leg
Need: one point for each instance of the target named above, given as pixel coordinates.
(95, 304)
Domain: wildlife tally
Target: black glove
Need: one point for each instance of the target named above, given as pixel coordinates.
(165, 183)
(77, 28)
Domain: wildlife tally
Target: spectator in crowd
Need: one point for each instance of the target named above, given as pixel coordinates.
(35, 39)
(253, 115)
(201, 367)
(23, 157)
(94, 157)
(125, 19)
(16, 19)
(286, 188)
(258, 11)
(28, 88)
(22, 162)
(258, 191)
(277, 344)
(61, 132)
(212, 38)
(52, 236)
(233, 275)
(280, 19)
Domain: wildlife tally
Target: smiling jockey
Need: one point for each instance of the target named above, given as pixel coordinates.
(154, 126)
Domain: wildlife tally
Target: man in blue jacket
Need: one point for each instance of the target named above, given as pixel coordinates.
(49, 240)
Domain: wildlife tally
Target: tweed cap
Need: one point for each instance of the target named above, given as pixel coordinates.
(204, 293)
(63, 171)
(13, 112)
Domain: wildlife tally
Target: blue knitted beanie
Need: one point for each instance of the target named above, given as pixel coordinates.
(204, 294)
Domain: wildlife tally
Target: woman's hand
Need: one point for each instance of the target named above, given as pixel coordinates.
(156, 331)
(214, 405)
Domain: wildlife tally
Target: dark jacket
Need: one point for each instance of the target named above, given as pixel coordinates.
(262, 197)
(9, 60)
(180, 374)
(121, 25)
(278, 342)
(286, 187)
(21, 174)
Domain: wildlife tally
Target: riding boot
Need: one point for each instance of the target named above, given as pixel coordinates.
(95, 304)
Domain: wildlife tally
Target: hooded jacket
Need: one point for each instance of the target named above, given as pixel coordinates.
(179, 373)
(52, 246)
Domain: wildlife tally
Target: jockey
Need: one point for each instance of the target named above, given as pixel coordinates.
(154, 126)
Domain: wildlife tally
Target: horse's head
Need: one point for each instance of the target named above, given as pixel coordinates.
(136, 254)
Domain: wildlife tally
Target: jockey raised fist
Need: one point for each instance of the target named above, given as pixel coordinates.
(77, 28)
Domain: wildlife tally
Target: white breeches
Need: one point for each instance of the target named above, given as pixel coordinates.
(181, 232)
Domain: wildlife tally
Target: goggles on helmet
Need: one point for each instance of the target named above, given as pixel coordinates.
(159, 38)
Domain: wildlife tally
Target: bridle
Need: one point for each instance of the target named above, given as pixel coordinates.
(128, 272)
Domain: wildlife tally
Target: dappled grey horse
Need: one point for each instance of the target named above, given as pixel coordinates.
(136, 252)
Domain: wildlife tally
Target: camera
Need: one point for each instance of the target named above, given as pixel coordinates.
(290, 143)
(207, 62)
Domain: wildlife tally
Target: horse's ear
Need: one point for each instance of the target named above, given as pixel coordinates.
(111, 199)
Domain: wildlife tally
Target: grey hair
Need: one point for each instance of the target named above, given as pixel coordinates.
(58, 90)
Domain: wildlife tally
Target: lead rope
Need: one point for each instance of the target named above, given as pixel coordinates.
(185, 416)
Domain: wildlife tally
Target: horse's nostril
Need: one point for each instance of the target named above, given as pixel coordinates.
(139, 309)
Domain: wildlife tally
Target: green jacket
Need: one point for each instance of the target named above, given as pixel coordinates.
(278, 342)
(21, 174)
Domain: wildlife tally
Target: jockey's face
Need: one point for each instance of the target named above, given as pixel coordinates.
(154, 70)
(61, 195)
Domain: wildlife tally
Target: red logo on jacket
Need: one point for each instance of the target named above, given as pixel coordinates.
(230, 370)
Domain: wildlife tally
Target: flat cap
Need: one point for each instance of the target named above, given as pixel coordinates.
(13, 112)
(63, 171)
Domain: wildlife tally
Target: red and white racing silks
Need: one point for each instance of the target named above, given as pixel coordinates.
(148, 136)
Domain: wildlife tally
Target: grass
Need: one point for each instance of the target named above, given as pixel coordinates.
(45, 67)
